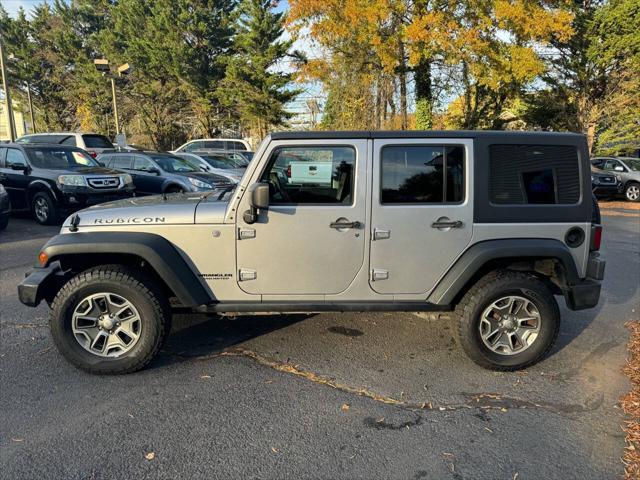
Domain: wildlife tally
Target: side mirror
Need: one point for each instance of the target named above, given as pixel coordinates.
(19, 166)
(619, 168)
(258, 199)
(154, 170)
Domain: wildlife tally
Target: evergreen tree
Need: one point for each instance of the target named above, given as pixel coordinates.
(255, 85)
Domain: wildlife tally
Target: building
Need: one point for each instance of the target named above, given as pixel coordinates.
(22, 126)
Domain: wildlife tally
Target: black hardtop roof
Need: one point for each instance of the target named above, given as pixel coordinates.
(299, 135)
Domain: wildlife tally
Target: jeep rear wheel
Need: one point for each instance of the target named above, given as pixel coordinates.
(109, 320)
(508, 321)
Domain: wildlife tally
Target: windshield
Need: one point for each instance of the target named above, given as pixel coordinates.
(173, 164)
(633, 164)
(60, 158)
(225, 162)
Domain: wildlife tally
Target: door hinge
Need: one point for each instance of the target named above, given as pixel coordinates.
(245, 233)
(247, 274)
(378, 274)
(381, 234)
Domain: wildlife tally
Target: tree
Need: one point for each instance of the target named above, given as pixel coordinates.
(254, 86)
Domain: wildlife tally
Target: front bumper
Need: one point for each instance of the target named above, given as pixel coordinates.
(76, 198)
(586, 294)
(604, 190)
(40, 283)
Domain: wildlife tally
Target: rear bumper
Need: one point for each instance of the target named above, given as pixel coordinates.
(39, 284)
(586, 293)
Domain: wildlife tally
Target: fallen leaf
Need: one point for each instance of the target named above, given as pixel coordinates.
(274, 450)
(205, 376)
(131, 415)
(488, 429)
(345, 407)
(150, 456)
(503, 409)
(18, 439)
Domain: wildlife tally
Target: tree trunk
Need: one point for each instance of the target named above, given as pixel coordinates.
(402, 78)
(424, 95)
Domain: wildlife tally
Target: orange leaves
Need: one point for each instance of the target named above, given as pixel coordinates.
(532, 21)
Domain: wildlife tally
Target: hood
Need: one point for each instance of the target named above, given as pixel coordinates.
(204, 176)
(97, 170)
(171, 209)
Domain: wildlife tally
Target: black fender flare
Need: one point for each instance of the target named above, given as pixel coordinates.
(478, 254)
(39, 186)
(157, 251)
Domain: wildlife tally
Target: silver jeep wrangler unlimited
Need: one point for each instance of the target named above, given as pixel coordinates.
(487, 225)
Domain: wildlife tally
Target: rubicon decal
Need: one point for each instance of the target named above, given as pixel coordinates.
(129, 220)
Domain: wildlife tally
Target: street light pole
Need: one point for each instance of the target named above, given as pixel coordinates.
(115, 104)
(7, 96)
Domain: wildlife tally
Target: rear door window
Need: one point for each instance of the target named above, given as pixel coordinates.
(232, 145)
(418, 174)
(143, 164)
(96, 141)
(122, 161)
(196, 145)
(214, 144)
(534, 174)
(15, 157)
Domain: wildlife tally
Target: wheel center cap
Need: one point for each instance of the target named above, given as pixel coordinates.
(106, 323)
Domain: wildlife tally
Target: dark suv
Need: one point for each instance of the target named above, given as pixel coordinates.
(55, 180)
(155, 172)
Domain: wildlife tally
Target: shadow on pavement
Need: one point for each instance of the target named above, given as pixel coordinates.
(194, 336)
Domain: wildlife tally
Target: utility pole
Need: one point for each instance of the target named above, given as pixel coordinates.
(7, 96)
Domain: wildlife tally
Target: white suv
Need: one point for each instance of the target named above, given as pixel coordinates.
(214, 144)
(93, 143)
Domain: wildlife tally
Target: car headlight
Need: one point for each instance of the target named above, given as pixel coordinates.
(126, 179)
(2, 190)
(593, 178)
(198, 183)
(72, 180)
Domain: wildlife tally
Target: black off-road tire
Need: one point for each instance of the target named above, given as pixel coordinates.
(140, 290)
(487, 290)
(52, 217)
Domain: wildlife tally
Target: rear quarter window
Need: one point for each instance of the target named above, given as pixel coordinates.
(534, 174)
(96, 141)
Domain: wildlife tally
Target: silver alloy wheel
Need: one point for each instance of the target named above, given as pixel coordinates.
(106, 324)
(510, 325)
(41, 209)
(633, 192)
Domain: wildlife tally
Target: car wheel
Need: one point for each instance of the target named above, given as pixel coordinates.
(44, 209)
(632, 192)
(109, 320)
(507, 321)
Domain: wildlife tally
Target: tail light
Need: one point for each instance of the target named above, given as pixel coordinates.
(596, 237)
(92, 153)
(289, 171)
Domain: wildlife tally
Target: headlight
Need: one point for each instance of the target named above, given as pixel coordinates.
(126, 179)
(592, 178)
(2, 188)
(198, 183)
(72, 180)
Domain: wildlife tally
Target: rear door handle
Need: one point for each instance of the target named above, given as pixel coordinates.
(341, 225)
(447, 224)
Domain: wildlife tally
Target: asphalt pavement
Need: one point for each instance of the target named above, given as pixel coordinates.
(383, 395)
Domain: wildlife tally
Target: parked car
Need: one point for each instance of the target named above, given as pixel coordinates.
(604, 185)
(627, 169)
(5, 207)
(93, 143)
(155, 172)
(54, 180)
(489, 226)
(229, 165)
(214, 144)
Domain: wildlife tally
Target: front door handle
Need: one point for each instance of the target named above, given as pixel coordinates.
(447, 224)
(340, 225)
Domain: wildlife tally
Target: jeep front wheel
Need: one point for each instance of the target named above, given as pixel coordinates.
(109, 320)
(507, 321)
